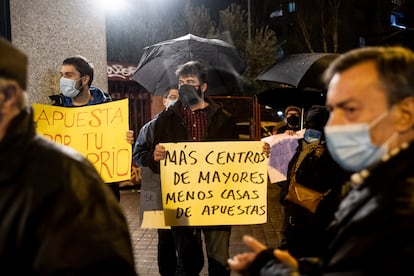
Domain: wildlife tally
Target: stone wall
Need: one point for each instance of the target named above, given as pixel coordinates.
(49, 31)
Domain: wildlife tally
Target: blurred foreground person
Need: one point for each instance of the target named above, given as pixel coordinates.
(57, 216)
(370, 132)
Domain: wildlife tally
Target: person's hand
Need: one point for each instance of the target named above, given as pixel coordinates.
(290, 132)
(241, 262)
(159, 152)
(285, 257)
(130, 136)
(266, 149)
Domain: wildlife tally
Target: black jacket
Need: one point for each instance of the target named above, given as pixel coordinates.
(372, 233)
(305, 231)
(57, 216)
(170, 127)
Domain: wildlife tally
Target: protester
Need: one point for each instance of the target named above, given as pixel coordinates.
(313, 190)
(195, 118)
(57, 216)
(370, 132)
(150, 196)
(292, 120)
(76, 90)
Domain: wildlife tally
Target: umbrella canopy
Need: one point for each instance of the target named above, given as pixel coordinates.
(279, 98)
(157, 66)
(299, 70)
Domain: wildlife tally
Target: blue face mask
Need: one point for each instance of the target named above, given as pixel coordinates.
(351, 146)
(312, 135)
(68, 87)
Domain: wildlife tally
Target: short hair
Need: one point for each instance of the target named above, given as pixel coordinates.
(167, 90)
(395, 65)
(193, 68)
(82, 65)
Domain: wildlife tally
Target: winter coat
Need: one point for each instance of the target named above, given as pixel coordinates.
(372, 233)
(57, 216)
(150, 195)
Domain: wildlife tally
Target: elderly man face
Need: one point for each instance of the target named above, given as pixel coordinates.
(356, 96)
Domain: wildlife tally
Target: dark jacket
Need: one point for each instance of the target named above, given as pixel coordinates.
(57, 216)
(170, 127)
(372, 233)
(150, 195)
(305, 231)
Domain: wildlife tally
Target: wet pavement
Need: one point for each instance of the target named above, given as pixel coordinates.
(145, 240)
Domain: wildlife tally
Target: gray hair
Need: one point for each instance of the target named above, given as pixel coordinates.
(395, 67)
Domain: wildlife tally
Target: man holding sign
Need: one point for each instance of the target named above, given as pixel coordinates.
(195, 118)
(76, 90)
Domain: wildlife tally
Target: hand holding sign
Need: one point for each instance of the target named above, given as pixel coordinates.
(97, 131)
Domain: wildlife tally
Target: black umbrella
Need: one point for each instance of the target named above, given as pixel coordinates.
(299, 70)
(279, 98)
(157, 66)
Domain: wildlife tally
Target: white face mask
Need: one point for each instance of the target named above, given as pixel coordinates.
(68, 87)
(171, 103)
(351, 146)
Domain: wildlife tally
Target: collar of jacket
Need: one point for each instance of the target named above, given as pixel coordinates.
(381, 182)
(14, 145)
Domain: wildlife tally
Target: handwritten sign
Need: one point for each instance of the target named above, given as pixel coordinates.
(214, 183)
(96, 131)
(282, 149)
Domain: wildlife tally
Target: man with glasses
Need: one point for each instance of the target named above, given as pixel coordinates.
(150, 196)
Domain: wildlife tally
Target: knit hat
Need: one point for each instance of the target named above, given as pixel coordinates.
(290, 108)
(317, 117)
(13, 63)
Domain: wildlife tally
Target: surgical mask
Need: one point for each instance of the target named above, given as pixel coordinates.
(189, 95)
(68, 87)
(351, 146)
(312, 135)
(293, 120)
(171, 103)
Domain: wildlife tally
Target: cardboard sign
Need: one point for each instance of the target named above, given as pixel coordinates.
(282, 149)
(214, 183)
(96, 131)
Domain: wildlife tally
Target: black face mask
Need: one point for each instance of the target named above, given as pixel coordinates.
(190, 95)
(293, 120)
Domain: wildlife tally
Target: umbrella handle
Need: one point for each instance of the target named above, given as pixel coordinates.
(302, 117)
